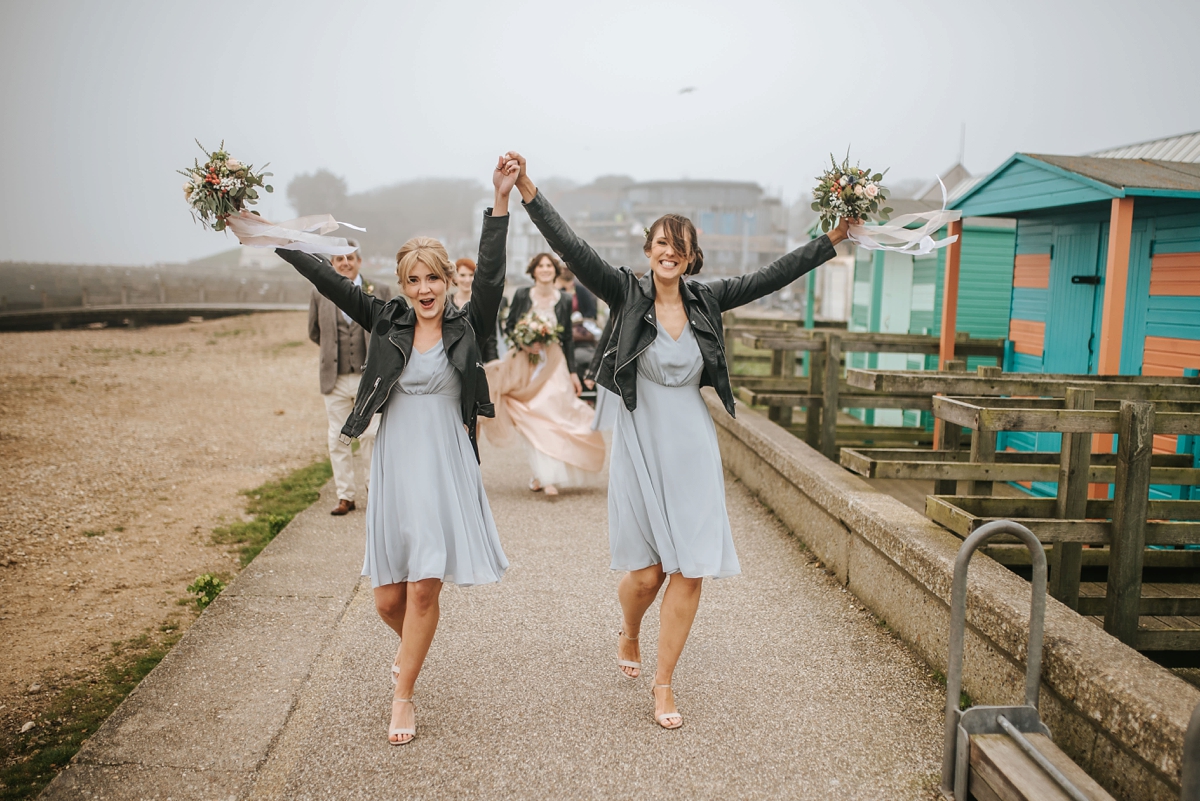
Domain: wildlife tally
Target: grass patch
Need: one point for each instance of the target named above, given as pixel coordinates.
(273, 506)
(965, 701)
(94, 533)
(32, 759)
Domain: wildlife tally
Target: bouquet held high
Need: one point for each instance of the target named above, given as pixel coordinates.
(846, 192)
(219, 191)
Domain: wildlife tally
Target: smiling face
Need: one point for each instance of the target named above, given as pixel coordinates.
(465, 277)
(425, 290)
(669, 258)
(545, 272)
(348, 265)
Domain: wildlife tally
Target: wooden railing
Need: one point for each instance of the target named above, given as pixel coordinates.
(1134, 408)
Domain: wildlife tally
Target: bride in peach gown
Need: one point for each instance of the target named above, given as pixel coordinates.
(538, 404)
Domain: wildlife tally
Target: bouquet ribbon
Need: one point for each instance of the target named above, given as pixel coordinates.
(896, 237)
(306, 234)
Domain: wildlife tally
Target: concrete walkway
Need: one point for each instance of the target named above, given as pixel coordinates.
(281, 689)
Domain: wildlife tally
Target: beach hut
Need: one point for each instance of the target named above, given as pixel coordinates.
(1106, 273)
(895, 293)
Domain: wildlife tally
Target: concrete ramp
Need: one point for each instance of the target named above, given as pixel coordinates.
(788, 687)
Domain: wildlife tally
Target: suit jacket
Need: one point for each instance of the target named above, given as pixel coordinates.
(322, 329)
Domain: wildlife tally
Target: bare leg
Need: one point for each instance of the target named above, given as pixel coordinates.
(420, 623)
(637, 591)
(680, 602)
(391, 600)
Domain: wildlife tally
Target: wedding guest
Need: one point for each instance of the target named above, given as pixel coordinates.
(666, 491)
(584, 329)
(343, 351)
(428, 520)
(539, 403)
(464, 277)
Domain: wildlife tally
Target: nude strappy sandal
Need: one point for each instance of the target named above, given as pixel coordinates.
(412, 732)
(666, 718)
(625, 662)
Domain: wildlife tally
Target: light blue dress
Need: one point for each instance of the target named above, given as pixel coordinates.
(427, 513)
(666, 488)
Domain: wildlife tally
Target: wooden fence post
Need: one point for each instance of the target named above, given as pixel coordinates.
(1066, 558)
(783, 366)
(816, 386)
(983, 444)
(948, 437)
(1135, 446)
(829, 396)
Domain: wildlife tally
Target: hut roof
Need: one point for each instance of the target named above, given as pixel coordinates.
(1028, 181)
(1185, 147)
(1136, 173)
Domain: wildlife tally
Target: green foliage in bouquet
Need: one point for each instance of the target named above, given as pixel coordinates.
(533, 329)
(846, 191)
(221, 186)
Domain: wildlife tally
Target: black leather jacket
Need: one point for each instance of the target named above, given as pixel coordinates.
(633, 299)
(522, 303)
(395, 321)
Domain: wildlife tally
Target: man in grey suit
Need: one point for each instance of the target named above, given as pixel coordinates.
(343, 353)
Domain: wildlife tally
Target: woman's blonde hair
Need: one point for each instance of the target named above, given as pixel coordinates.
(428, 251)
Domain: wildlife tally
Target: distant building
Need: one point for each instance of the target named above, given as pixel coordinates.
(740, 228)
(259, 258)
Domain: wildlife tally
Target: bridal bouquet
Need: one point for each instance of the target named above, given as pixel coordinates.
(533, 329)
(221, 187)
(219, 191)
(848, 192)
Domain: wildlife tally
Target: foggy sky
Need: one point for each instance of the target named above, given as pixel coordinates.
(100, 102)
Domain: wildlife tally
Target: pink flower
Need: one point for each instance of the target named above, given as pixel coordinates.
(872, 190)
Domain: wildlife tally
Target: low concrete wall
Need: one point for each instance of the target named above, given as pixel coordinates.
(1116, 713)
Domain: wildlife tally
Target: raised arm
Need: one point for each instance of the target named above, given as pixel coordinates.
(591, 270)
(733, 292)
(363, 308)
(488, 288)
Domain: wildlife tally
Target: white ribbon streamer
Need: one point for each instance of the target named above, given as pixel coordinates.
(305, 234)
(895, 237)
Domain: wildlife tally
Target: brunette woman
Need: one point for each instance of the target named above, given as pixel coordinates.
(539, 402)
(666, 491)
(428, 519)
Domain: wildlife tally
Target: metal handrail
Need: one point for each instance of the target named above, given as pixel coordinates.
(958, 620)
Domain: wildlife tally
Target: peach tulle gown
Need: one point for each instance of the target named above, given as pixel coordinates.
(537, 404)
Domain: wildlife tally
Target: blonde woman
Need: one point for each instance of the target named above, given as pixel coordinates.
(666, 491)
(428, 519)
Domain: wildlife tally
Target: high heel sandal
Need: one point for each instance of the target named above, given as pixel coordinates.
(666, 717)
(626, 663)
(411, 732)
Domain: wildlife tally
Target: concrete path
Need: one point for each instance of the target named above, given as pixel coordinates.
(281, 689)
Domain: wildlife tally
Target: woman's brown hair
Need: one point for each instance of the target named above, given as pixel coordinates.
(465, 263)
(680, 232)
(533, 263)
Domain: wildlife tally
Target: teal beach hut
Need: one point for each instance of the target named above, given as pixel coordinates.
(1106, 272)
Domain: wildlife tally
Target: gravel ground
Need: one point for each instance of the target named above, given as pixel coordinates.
(122, 449)
(788, 686)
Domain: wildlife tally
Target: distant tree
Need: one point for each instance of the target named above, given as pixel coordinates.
(322, 192)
